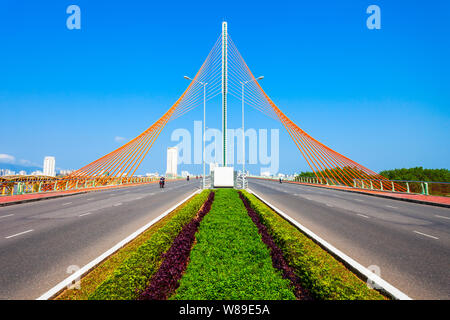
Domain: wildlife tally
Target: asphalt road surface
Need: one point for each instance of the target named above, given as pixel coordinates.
(40, 240)
(409, 242)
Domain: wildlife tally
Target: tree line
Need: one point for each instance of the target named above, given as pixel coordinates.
(410, 174)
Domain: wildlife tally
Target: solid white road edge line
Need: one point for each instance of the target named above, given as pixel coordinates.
(85, 214)
(426, 235)
(386, 287)
(18, 234)
(78, 274)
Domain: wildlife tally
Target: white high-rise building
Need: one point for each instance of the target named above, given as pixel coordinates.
(49, 166)
(172, 161)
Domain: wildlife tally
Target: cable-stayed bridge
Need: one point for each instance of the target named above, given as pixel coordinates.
(225, 71)
(409, 242)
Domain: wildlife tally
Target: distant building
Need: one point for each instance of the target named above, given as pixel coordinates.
(265, 174)
(37, 173)
(49, 166)
(22, 173)
(65, 172)
(152, 174)
(7, 172)
(172, 161)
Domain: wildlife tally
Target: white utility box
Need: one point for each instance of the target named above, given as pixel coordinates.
(223, 177)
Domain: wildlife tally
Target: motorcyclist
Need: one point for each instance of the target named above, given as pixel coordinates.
(280, 180)
(161, 182)
(187, 178)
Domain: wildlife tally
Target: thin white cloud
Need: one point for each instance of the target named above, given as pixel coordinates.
(119, 139)
(7, 158)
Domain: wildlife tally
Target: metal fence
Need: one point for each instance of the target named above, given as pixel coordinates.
(28, 186)
(401, 186)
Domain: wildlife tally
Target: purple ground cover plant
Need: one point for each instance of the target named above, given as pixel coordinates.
(166, 280)
(278, 260)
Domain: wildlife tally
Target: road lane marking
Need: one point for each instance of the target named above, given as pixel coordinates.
(434, 215)
(118, 204)
(85, 214)
(89, 199)
(18, 234)
(78, 274)
(360, 269)
(426, 235)
(392, 207)
(65, 204)
(8, 215)
(359, 200)
(329, 205)
(361, 215)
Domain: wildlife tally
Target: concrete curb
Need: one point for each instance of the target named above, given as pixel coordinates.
(361, 271)
(88, 267)
(436, 204)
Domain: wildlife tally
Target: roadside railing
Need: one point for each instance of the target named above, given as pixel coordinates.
(409, 186)
(400, 186)
(241, 181)
(11, 187)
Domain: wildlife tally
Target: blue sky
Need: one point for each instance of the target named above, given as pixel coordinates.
(380, 97)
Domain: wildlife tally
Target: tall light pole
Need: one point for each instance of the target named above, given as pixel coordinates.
(243, 83)
(204, 125)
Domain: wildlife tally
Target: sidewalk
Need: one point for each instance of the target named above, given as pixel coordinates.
(15, 199)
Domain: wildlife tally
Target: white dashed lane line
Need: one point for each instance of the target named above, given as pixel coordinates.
(426, 235)
(361, 215)
(85, 214)
(8, 215)
(392, 207)
(18, 234)
(448, 218)
(118, 204)
(65, 204)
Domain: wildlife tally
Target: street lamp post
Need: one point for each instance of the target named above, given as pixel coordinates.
(204, 126)
(243, 83)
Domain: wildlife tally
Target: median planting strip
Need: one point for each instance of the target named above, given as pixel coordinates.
(278, 260)
(222, 244)
(229, 260)
(165, 281)
(127, 272)
(320, 273)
